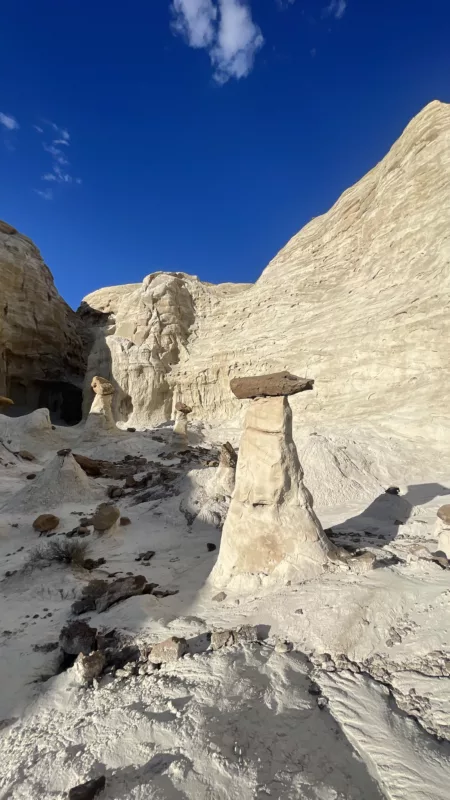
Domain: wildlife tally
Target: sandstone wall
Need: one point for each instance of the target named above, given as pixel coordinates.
(42, 359)
(359, 300)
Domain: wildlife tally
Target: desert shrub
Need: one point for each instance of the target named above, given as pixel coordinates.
(67, 551)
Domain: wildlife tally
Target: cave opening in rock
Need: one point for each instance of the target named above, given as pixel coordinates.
(63, 400)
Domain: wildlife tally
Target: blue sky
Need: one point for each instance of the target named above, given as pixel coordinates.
(199, 135)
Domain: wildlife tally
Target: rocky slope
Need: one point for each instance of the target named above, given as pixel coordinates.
(41, 353)
(359, 300)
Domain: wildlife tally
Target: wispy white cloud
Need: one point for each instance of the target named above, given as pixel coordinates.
(194, 19)
(60, 164)
(8, 121)
(225, 29)
(336, 8)
(46, 194)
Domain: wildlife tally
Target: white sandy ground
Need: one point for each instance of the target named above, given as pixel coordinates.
(241, 722)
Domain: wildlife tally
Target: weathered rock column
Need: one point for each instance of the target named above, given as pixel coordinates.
(271, 528)
(180, 427)
(100, 417)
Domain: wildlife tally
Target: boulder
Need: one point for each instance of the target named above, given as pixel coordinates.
(228, 456)
(78, 637)
(121, 589)
(46, 522)
(444, 514)
(90, 466)
(277, 384)
(170, 650)
(90, 666)
(221, 639)
(106, 515)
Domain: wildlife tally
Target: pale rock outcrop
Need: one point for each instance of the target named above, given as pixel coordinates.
(359, 298)
(224, 479)
(100, 418)
(271, 528)
(442, 531)
(42, 357)
(61, 481)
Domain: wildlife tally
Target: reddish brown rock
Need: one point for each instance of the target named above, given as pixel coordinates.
(444, 513)
(90, 466)
(45, 523)
(183, 408)
(276, 384)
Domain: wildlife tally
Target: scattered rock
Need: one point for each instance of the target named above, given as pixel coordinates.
(164, 592)
(125, 521)
(221, 639)
(66, 451)
(393, 490)
(115, 491)
(362, 563)
(105, 516)
(89, 790)
(90, 466)
(131, 430)
(145, 556)
(92, 563)
(211, 547)
(282, 646)
(170, 650)
(48, 647)
(100, 595)
(276, 384)
(218, 598)
(45, 522)
(26, 455)
(78, 637)
(246, 633)
(88, 667)
(31, 476)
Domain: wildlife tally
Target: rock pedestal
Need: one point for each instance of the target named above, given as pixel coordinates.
(271, 527)
(181, 423)
(100, 418)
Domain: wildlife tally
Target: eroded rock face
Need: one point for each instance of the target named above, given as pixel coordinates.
(42, 357)
(271, 526)
(370, 264)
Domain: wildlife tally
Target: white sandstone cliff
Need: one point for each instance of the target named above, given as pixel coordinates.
(359, 299)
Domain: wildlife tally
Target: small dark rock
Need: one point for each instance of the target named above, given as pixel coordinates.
(145, 556)
(65, 452)
(393, 490)
(31, 476)
(78, 637)
(131, 430)
(218, 598)
(125, 521)
(48, 647)
(211, 547)
(89, 790)
(115, 491)
(92, 563)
